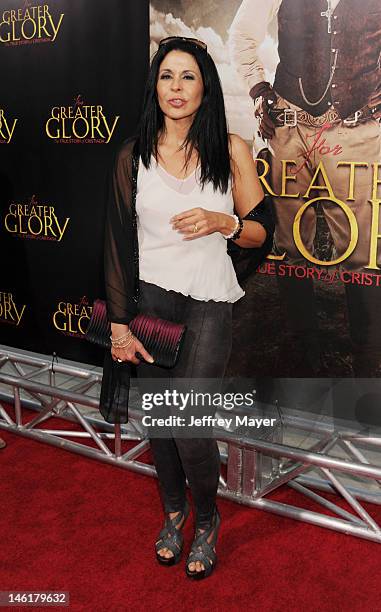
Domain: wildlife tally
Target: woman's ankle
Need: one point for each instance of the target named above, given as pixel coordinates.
(206, 522)
(178, 507)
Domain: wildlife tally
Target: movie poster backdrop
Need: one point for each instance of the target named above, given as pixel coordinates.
(72, 78)
(312, 310)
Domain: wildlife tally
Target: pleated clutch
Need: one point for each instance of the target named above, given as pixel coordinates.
(161, 338)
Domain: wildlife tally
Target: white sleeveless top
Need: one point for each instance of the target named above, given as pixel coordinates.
(200, 268)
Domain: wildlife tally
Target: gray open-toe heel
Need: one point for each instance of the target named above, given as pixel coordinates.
(171, 537)
(202, 550)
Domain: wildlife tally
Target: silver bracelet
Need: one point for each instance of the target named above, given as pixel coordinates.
(235, 228)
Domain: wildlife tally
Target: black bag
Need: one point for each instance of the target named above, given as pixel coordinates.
(161, 338)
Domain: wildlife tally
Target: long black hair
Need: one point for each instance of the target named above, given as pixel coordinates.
(208, 133)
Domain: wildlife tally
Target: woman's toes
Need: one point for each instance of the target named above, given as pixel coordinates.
(196, 566)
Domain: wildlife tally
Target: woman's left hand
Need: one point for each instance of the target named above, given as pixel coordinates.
(198, 222)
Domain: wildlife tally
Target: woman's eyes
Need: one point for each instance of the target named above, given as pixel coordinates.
(186, 76)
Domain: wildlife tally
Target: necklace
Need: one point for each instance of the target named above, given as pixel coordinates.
(328, 13)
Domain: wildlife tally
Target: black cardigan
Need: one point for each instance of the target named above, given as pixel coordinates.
(121, 266)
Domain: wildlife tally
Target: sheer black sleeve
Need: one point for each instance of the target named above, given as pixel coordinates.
(119, 239)
(246, 260)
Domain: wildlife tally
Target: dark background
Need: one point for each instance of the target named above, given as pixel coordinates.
(101, 53)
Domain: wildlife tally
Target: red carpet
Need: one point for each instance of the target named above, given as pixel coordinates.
(75, 524)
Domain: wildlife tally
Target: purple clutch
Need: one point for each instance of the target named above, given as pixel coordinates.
(161, 338)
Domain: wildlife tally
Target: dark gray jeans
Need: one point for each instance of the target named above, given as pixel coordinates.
(204, 354)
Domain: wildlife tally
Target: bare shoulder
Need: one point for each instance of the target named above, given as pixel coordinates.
(246, 185)
(239, 149)
(242, 162)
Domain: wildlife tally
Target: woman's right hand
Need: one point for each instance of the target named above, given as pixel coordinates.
(128, 353)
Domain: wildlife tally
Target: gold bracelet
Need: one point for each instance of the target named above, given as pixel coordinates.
(126, 344)
(120, 339)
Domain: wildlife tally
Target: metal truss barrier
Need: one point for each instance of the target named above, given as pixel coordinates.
(255, 467)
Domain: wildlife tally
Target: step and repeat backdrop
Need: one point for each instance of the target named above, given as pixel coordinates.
(72, 79)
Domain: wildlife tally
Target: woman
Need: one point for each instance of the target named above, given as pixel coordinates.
(195, 183)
